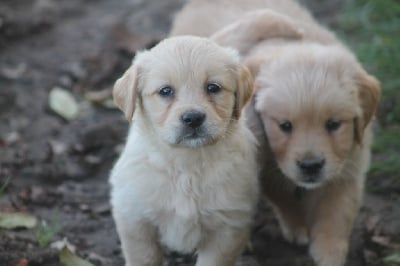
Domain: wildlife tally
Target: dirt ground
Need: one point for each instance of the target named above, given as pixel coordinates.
(60, 168)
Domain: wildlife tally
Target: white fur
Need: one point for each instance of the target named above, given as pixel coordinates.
(192, 195)
(181, 185)
(186, 194)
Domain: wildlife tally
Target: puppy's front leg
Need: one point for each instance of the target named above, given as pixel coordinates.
(332, 223)
(222, 247)
(139, 243)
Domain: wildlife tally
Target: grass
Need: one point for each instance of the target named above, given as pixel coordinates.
(371, 28)
(45, 232)
(386, 160)
(4, 186)
(393, 259)
(387, 139)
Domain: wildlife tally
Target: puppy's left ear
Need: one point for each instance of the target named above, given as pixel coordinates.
(125, 90)
(369, 91)
(244, 91)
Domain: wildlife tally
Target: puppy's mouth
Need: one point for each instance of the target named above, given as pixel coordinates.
(310, 171)
(194, 137)
(309, 181)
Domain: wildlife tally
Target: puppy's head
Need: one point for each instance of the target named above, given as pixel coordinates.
(188, 91)
(315, 103)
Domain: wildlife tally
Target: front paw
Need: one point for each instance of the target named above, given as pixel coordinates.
(296, 234)
(329, 253)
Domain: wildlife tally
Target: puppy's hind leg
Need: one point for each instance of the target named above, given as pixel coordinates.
(222, 247)
(139, 244)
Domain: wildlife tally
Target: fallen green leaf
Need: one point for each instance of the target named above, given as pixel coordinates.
(17, 220)
(68, 258)
(63, 103)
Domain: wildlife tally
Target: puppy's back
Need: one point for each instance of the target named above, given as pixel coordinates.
(205, 17)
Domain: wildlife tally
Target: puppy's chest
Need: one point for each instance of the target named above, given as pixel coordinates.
(183, 218)
(191, 199)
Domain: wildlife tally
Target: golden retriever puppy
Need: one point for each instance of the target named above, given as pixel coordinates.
(187, 177)
(311, 113)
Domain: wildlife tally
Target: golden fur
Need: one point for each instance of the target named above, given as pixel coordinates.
(186, 188)
(311, 113)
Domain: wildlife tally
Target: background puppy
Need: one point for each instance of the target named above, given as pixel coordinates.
(187, 178)
(315, 103)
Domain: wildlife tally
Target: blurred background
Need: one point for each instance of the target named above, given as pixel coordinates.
(60, 132)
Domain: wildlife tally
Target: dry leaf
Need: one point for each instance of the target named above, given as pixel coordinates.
(63, 103)
(68, 258)
(98, 96)
(384, 241)
(58, 147)
(20, 262)
(17, 220)
(372, 222)
(103, 98)
(12, 138)
(14, 72)
(61, 244)
(99, 260)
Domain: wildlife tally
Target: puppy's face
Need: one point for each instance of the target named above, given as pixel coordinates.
(314, 109)
(190, 90)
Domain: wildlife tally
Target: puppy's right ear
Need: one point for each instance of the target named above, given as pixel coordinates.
(125, 90)
(254, 63)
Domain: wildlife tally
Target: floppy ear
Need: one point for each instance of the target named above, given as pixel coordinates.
(244, 89)
(254, 63)
(125, 90)
(369, 91)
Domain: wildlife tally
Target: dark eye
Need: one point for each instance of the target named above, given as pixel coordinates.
(166, 91)
(213, 88)
(332, 125)
(286, 127)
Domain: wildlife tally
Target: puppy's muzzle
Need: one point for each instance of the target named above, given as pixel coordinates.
(193, 119)
(194, 130)
(311, 168)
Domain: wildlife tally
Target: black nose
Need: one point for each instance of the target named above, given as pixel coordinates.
(311, 166)
(193, 119)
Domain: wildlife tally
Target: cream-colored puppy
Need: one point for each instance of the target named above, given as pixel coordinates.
(187, 178)
(312, 113)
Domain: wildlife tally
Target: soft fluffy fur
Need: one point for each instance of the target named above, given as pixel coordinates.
(187, 189)
(308, 78)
